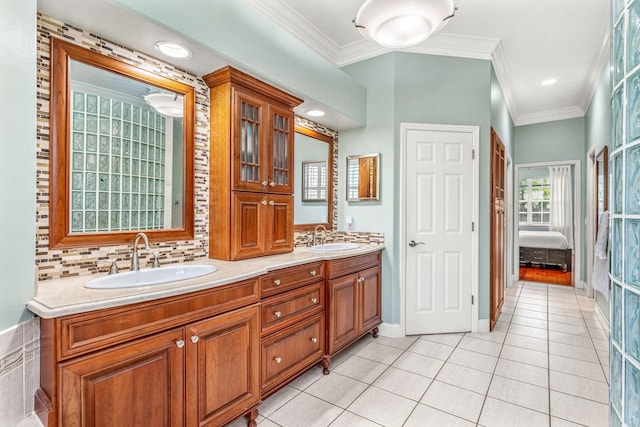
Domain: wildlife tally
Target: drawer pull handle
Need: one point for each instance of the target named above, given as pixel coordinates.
(314, 340)
(313, 272)
(195, 339)
(277, 359)
(314, 300)
(276, 282)
(277, 314)
(180, 343)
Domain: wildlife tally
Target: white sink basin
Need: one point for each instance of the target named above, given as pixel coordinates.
(338, 246)
(150, 276)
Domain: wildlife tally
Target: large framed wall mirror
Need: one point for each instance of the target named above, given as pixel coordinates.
(313, 189)
(363, 175)
(121, 151)
(602, 183)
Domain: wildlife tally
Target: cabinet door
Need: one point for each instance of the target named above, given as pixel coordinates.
(250, 133)
(223, 367)
(135, 384)
(281, 150)
(249, 214)
(343, 312)
(279, 224)
(370, 296)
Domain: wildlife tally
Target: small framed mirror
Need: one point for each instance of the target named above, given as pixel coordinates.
(121, 151)
(363, 175)
(602, 183)
(314, 181)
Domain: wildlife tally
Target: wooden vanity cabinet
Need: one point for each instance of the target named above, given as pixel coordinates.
(354, 293)
(191, 360)
(251, 166)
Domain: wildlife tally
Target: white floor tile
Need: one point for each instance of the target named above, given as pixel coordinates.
(448, 339)
(530, 313)
(523, 372)
(471, 359)
(402, 343)
(406, 384)
(523, 355)
(360, 369)
(573, 351)
(305, 410)
(277, 400)
(481, 346)
(568, 329)
(559, 422)
(532, 307)
(425, 416)
(600, 345)
(337, 389)
(578, 321)
(579, 410)
(380, 353)
(431, 349)
(308, 378)
(419, 364)
(570, 339)
(493, 336)
(598, 334)
(529, 321)
(576, 367)
(382, 407)
(349, 419)
(519, 393)
(526, 342)
(528, 331)
(579, 386)
(464, 377)
(566, 312)
(454, 400)
(497, 413)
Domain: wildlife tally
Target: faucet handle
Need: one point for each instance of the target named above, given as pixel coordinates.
(114, 268)
(156, 261)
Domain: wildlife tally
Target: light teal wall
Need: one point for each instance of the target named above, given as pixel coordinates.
(404, 87)
(253, 42)
(554, 141)
(597, 135)
(500, 116)
(17, 157)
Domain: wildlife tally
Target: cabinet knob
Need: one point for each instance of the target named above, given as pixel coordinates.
(271, 203)
(360, 279)
(277, 314)
(314, 340)
(264, 183)
(264, 202)
(272, 184)
(314, 300)
(276, 282)
(180, 343)
(313, 272)
(195, 339)
(277, 359)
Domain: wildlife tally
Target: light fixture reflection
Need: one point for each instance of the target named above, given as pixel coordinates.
(402, 23)
(168, 104)
(315, 113)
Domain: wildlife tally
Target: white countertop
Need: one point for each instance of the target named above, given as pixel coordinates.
(61, 297)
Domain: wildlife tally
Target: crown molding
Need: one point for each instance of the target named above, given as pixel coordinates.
(502, 74)
(549, 116)
(595, 73)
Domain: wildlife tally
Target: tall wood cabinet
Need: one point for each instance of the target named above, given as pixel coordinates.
(251, 167)
(497, 264)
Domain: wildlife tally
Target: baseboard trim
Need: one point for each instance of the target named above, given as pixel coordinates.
(601, 317)
(483, 325)
(390, 330)
(580, 284)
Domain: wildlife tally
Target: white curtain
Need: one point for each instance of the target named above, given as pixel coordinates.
(561, 219)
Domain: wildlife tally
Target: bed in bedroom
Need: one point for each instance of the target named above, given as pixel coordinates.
(544, 248)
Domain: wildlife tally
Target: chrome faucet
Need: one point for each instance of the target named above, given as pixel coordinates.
(315, 234)
(135, 265)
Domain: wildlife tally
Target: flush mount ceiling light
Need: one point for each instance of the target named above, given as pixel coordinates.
(168, 104)
(549, 82)
(315, 113)
(402, 23)
(174, 50)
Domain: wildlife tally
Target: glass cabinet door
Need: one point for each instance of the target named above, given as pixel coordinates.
(281, 156)
(249, 159)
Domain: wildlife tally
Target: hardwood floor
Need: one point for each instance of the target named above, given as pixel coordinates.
(545, 275)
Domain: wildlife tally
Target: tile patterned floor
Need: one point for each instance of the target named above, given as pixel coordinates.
(545, 364)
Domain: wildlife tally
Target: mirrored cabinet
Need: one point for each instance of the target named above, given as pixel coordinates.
(251, 167)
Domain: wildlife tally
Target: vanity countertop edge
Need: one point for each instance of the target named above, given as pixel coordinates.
(62, 297)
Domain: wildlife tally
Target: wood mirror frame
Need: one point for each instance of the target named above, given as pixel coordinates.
(602, 187)
(60, 235)
(368, 177)
(325, 138)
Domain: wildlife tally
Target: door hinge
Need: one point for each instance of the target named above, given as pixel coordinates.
(473, 154)
(471, 299)
(473, 226)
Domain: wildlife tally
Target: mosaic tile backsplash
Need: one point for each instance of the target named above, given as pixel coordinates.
(625, 267)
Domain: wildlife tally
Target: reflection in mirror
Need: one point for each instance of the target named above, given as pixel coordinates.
(313, 198)
(121, 151)
(602, 183)
(363, 174)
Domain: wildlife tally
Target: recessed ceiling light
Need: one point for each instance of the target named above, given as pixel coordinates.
(549, 82)
(315, 113)
(173, 50)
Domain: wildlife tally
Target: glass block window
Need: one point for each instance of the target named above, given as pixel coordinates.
(117, 165)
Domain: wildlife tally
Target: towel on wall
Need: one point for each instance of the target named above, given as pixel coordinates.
(600, 276)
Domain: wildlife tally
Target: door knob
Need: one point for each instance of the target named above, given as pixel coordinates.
(413, 243)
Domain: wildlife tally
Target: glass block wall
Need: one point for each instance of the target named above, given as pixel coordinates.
(118, 165)
(625, 233)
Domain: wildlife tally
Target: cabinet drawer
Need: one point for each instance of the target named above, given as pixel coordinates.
(291, 278)
(557, 256)
(286, 353)
(291, 306)
(341, 267)
(94, 330)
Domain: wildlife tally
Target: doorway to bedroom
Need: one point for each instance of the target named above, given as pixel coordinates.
(549, 231)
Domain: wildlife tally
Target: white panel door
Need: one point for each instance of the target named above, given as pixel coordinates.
(439, 213)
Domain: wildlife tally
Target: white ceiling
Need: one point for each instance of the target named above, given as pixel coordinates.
(528, 41)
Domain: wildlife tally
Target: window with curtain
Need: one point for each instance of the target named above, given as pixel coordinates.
(535, 201)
